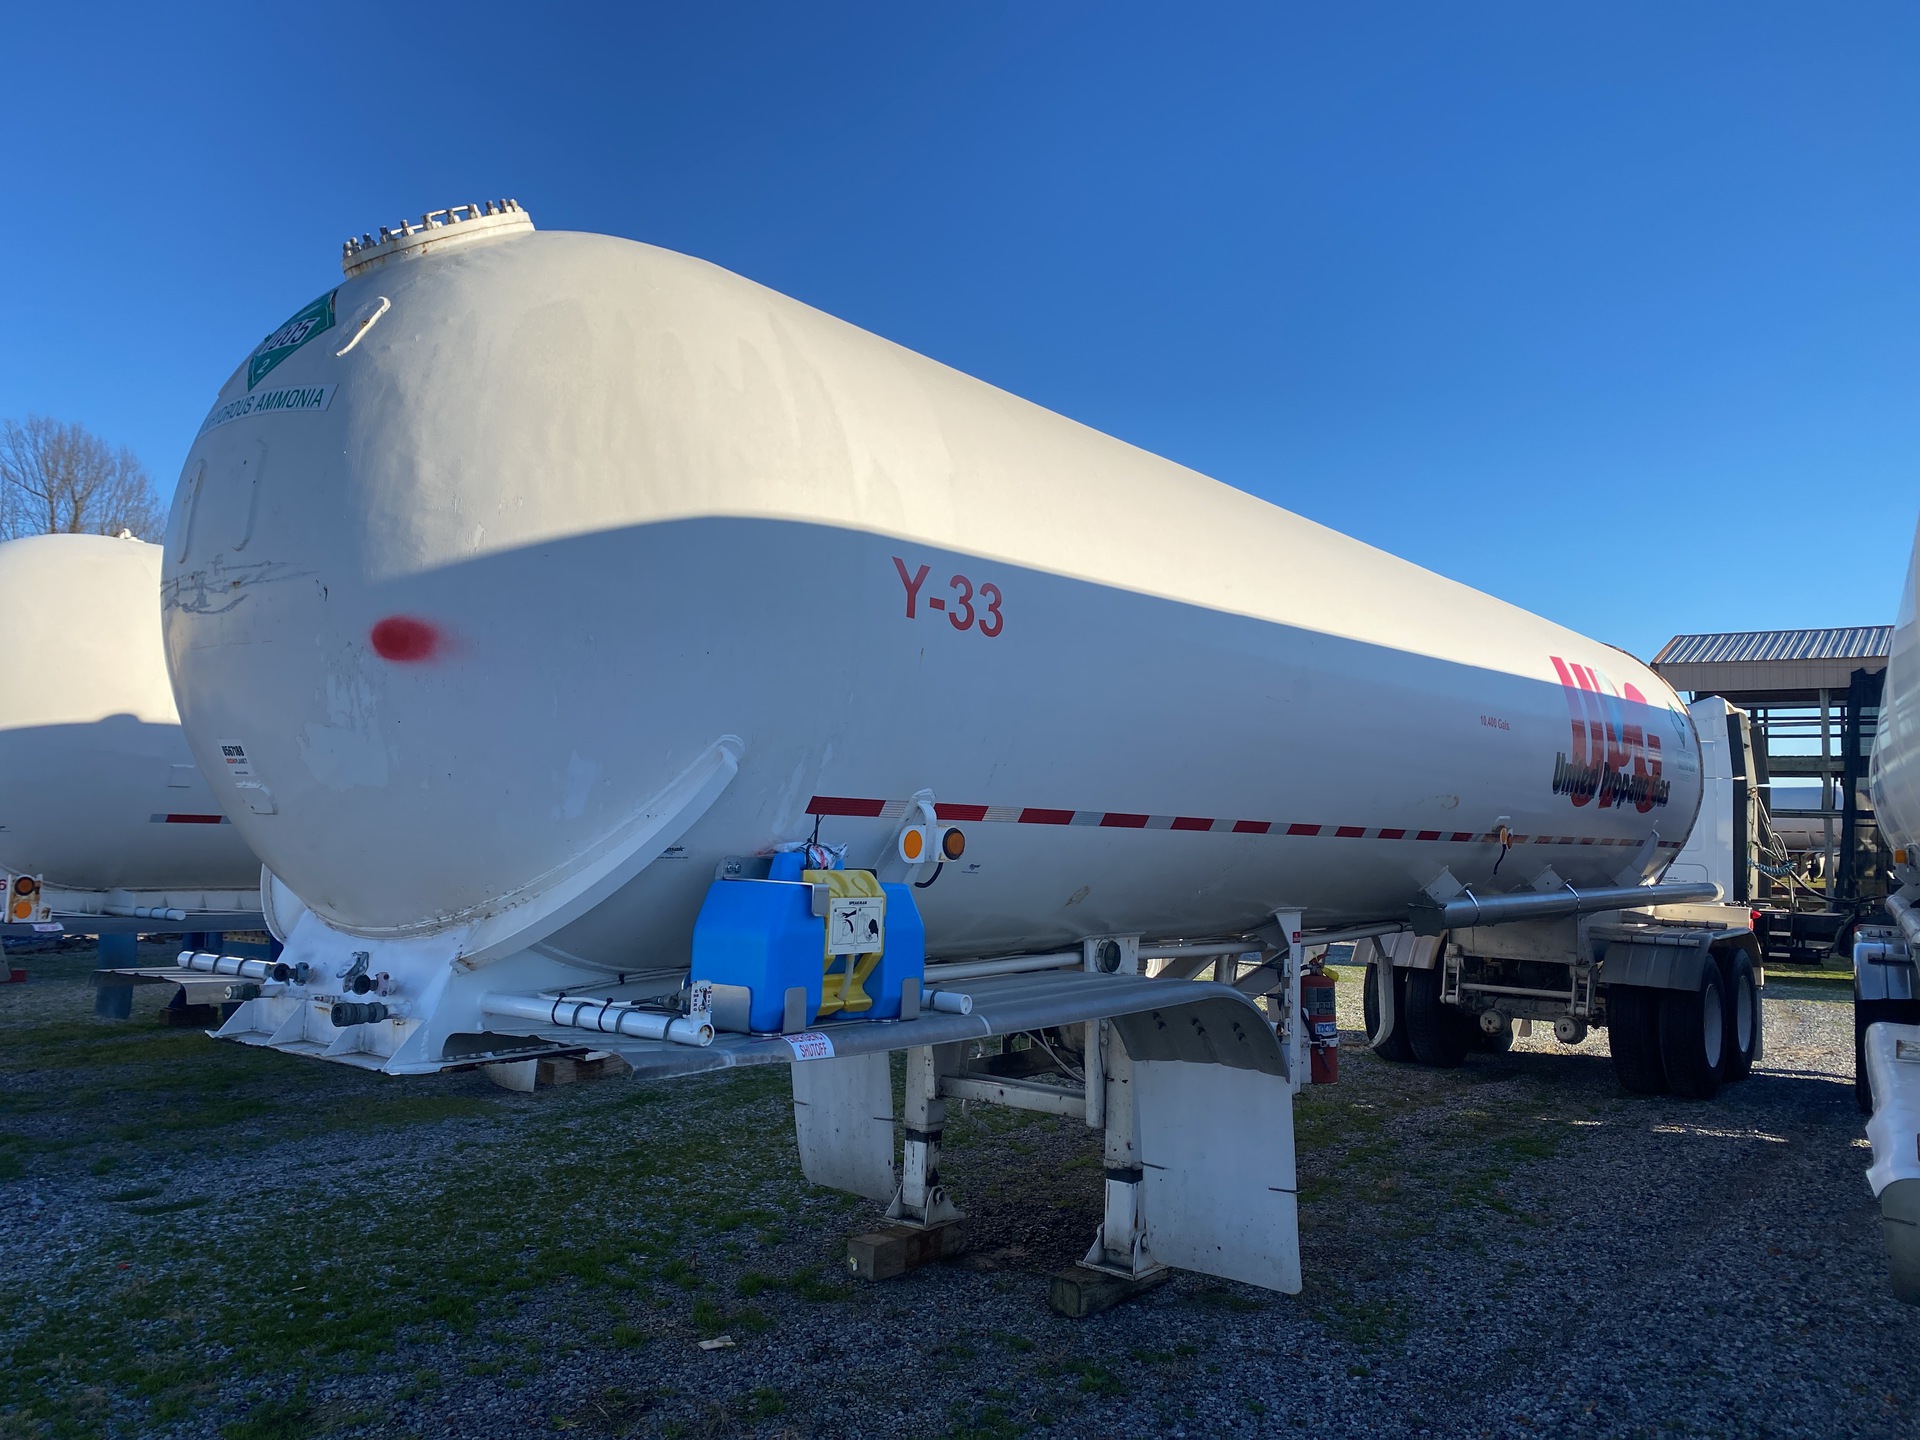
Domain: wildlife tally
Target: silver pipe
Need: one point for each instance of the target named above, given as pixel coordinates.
(1012, 965)
(1516, 990)
(144, 912)
(1020, 1095)
(1175, 952)
(601, 1017)
(1353, 932)
(224, 964)
(1468, 910)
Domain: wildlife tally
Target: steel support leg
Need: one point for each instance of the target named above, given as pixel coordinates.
(1121, 1245)
(1293, 1031)
(922, 1200)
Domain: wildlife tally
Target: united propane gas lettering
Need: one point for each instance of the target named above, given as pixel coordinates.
(1605, 741)
(1613, 787)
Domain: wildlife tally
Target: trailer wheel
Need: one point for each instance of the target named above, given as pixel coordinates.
(1693, 1035)
(1743, 1015)
(1633, 1036)
(1433, 1029)
(1393, 1045)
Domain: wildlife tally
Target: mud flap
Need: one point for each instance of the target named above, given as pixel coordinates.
(1216, 1151)
(843, 1123)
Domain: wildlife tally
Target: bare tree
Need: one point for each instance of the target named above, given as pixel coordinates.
(61, 478)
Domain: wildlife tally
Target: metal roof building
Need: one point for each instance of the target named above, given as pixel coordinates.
(1777, 667)
(1813, 697)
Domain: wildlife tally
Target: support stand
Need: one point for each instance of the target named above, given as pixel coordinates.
(928, 1227)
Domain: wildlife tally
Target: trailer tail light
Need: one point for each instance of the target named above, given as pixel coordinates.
(23, 899)
(922, 843)
(1753, 919)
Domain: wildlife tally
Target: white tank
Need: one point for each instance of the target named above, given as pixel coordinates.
(503, 550)
(100, 791)
(1895, 769)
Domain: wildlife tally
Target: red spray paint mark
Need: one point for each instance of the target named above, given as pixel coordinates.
(406, 640)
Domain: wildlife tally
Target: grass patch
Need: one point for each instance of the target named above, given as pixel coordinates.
(169, 1207)
(1090, 1376)
(289, 1419)
(119, 1341)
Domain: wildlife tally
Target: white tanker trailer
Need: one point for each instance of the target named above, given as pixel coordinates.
(1886, 993)
(537, 596)
(103, 810)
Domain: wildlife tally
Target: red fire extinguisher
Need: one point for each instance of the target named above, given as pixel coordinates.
(1323, 1032)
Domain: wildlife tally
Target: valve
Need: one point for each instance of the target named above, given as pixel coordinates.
(346, 1013)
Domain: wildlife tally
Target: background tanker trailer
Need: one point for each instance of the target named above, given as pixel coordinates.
(103, 810)
(535, 595)
(1886, 993)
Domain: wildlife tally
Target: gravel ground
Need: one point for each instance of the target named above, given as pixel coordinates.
(205, 1240)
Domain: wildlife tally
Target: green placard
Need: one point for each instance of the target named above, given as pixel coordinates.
(290, 337)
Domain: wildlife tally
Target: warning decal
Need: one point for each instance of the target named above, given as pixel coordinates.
(856, 924)
(810, 1045)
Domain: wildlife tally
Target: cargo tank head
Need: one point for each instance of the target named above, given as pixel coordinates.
(423, 685)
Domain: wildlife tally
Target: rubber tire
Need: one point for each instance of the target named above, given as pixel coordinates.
(1633, 1037)
(1742, 984)
(1393, 1047)
(1433, 1029)
(1693, 1036)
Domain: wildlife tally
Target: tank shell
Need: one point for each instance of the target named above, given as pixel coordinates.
(1895, 771)
(570, 509)
(101, 791)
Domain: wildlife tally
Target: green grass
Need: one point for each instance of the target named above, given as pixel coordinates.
(586, 1196)
(290, 1419)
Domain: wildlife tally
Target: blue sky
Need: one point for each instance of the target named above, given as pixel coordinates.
(1609, 310)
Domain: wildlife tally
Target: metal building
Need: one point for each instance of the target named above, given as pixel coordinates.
(1814, 696)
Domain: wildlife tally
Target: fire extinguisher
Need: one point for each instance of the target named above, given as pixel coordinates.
(1323, 1032)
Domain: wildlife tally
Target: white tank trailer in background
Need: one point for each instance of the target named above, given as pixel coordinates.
(580, 632)
(103, 810)
(1886, 999)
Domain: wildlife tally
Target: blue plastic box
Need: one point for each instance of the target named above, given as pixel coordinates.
(764, 935)
(904, 958)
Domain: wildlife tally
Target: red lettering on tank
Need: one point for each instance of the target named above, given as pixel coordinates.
(405, 640)
(913, 585)
(1615, 756)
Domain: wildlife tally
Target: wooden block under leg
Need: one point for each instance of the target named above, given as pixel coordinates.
(900, 1248)
(1079, 1291)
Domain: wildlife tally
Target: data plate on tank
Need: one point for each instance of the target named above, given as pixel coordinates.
(856, 924)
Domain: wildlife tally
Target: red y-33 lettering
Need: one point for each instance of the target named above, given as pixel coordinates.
(969, 607)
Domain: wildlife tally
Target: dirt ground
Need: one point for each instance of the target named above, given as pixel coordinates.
(199, 1239)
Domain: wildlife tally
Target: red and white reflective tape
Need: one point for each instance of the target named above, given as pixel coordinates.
(1129, 820)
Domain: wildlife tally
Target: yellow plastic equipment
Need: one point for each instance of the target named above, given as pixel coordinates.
(845, 992)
